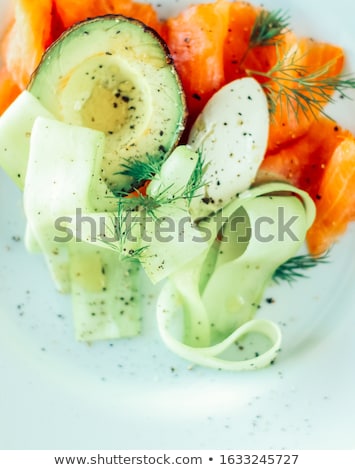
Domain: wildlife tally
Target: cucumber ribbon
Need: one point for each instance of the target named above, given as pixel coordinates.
(216, 295)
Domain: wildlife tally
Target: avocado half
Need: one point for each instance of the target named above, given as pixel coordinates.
(116, 75)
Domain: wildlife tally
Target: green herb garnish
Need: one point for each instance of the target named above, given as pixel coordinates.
(302, 91)
(142, 170)
(267, 29)
(268, 26)
(295, 267)
(196, 181)
(142, 205)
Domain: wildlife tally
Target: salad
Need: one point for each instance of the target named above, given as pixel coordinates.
(197, 149)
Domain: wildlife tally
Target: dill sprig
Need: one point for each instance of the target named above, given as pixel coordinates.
(268, 26)
(146, 202)
(196, 181)
(124, 234)
(150, 203)
(295, 267)
(267, 30)
(142, 170)
(291, 84)
(133, 210)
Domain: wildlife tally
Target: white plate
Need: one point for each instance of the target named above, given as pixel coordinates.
(134, 394)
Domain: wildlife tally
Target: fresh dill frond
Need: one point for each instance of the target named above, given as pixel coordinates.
(196, 179)
(144, 202)
(165, 196)
(295, 267)
(142, 170)
(125, 237)
(267, 30)
(135, 210)
(291, 85)
(268, 26)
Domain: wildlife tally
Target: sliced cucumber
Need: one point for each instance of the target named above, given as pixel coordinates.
(61, 169)
(104, 294)
(15, 132)
(63, 182)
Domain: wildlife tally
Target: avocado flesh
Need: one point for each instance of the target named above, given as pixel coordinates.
(114, 75)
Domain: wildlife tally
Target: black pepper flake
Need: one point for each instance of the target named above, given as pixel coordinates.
(108, 53)
(196, 96)
(115, 105)
(207, 200)
(126, 99)
(117, 94)
(250, 98)
(86, 32)
(270, 300)
(318, 197)
(161, 133)
(336, 128)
